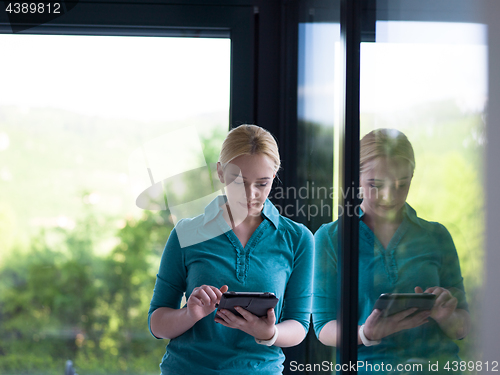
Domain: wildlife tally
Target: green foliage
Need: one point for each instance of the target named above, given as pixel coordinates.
(447, 183)
(31, 363)
(447, 186)
(212, 144)
(8, 228)
(61, 298)
(57, 304)
(66, 293)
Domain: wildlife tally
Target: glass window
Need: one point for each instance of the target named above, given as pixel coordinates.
(424, 76)
(319, 80)
(84, 130)
(318, 115)
(426, 80)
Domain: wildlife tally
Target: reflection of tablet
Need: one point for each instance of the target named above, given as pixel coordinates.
(392, 303)
(256, 303)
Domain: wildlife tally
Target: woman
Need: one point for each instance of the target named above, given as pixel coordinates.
(252, 249)
(398, 253)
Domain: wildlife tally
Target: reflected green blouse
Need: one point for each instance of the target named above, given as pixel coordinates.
(421, 253)
(277, 258)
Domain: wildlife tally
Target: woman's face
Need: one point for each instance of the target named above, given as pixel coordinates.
(248, 180)
(385, 185)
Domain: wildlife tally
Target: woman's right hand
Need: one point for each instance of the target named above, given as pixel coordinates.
(377, 327)
(202, 301)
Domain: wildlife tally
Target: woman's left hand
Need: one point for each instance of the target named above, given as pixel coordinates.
(260, 328)
(445, 304)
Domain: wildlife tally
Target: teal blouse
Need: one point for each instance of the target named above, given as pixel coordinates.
(421, 253)
(278, 258)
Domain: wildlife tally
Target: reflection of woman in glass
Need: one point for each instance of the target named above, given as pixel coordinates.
(248, 247)
(398, 253)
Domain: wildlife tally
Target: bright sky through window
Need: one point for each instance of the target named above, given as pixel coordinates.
(420, 62)
(140, 78)
(411, 63)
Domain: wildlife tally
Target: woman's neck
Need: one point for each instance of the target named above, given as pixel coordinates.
(243, 227)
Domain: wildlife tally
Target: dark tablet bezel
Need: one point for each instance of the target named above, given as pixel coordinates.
(393, 303)
(255, 302)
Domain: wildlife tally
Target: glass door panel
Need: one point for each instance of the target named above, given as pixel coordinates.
(84, 131)
(428, 81)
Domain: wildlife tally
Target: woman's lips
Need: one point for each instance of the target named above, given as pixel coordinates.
(248, 205)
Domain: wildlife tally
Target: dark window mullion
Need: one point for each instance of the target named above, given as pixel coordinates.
(349, 181)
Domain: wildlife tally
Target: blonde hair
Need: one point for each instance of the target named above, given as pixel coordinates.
(249, 140)
(385, 143)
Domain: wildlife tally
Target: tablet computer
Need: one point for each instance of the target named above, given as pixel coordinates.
(255, 302)
(392, 303)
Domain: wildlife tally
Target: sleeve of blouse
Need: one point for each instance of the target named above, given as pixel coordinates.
(171, 278)
(450, 274)
(298, 294)
(325, 277)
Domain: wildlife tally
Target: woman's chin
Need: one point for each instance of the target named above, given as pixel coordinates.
(389, 213)
(241, 210)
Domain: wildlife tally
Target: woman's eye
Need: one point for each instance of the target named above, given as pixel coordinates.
(374, 186)
(263, 185)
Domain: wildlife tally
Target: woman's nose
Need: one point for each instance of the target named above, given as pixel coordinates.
(252, 192)
(387, 194)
